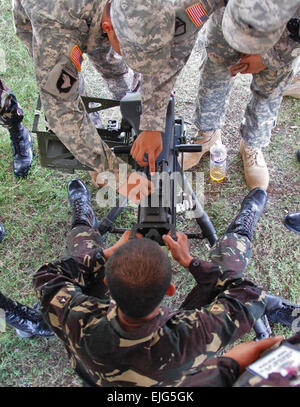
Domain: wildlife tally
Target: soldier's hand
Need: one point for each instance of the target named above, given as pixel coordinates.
(136, 188)
(248, 352)
(179, 249)
(248, 64)
(123, 239)
(148, 142)
(237, 68)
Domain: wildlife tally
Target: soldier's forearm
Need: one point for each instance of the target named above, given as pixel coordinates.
(72, 125)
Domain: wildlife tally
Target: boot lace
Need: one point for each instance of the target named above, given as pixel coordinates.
(247, 219)
(78, 208)
(254, 157)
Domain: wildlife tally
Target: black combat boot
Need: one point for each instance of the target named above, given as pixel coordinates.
(2, 232)
(80, 201)
(280, 310)
(27, 321)
(292, 222)
(252, 208)
(22, 149)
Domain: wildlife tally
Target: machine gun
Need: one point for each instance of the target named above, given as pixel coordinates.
(157, 216)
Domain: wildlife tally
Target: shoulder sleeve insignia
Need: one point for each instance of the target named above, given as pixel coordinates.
(197, 14)
(76, 57)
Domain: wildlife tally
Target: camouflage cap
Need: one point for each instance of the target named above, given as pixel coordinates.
(253, 27)
(145, 30)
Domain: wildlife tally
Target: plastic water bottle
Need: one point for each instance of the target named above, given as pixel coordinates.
(218, 162)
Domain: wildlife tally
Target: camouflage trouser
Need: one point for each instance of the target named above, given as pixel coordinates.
(50, 43)
(84, 244)
(10, 110)
(215, 85)
(230, 256)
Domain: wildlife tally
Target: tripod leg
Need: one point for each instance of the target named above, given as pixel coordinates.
(201, 216)
(105, 224)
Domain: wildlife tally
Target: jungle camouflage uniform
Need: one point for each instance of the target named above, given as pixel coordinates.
(51, 30)
(166, 351)
(267, 87)
(10, 110)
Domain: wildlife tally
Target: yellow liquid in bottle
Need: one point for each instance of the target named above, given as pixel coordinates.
(217, 175)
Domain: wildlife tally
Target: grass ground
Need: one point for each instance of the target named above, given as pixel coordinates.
(36, 215)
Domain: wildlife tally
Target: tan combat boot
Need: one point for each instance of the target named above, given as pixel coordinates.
(255, 167)
(293, 89)
(206, 139)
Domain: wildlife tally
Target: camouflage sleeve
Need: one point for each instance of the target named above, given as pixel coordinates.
(9, 106)
(284, 51)
(57, 59)
(156, 89)
(236, 303)
(215, 372)
(22, 25)
(62, 289)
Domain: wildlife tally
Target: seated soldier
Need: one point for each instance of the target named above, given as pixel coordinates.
(131, 339)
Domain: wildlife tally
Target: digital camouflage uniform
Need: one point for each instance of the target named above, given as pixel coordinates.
(51, 30)
(10, 110)
(267, 86)
(169, 349)
(80, 23)
(157, 87)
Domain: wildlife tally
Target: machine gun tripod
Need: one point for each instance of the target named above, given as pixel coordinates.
(154, 220)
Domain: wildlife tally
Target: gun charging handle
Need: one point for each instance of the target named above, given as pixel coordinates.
(188, 148)
(121, 150)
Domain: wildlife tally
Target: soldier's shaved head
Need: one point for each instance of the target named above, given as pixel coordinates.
(138, 276)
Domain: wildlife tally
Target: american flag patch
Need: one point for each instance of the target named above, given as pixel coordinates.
(197, 14)
(76, 57)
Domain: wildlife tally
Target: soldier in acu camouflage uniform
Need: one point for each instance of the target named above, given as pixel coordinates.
(139, 342)
(57, 33)
(156, 39)
(272, 71)
(11, 116)
(258, 31)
